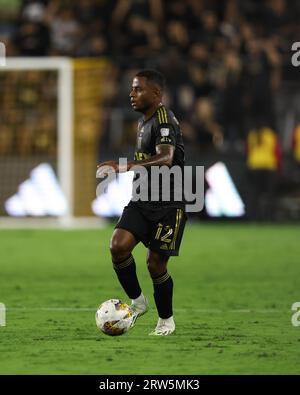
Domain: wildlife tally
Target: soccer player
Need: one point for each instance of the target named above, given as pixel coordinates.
(159, 225)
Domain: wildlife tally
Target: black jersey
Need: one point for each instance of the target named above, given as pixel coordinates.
(161, 128)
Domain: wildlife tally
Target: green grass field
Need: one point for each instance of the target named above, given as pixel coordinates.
(234, 288)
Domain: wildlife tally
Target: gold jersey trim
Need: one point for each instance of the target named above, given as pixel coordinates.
(162, 115)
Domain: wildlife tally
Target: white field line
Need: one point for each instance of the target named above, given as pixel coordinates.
(66, 224)
(201, 311)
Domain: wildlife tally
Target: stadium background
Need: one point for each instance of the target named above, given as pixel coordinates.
(231, 83)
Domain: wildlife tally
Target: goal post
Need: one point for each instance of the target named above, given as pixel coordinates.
(73, 104)
(64, 69)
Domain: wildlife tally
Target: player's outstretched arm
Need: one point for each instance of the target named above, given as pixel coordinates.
(164, 156)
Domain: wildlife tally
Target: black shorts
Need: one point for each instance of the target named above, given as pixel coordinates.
(159, 229)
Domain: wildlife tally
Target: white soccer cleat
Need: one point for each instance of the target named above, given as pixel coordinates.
(139, 307)
(164, 327)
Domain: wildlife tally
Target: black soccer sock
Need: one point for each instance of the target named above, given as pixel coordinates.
(163, 295)
(126, 272)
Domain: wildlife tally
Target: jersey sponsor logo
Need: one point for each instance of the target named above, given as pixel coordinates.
(141, 156)
(164, 132)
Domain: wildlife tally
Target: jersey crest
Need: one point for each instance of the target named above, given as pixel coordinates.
(164, 132)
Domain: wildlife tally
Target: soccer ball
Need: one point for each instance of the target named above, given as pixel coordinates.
(114, 317)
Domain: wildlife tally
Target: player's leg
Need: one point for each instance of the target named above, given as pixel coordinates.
(121, 245)
(165, 241)
(163, 292)
(131, 228)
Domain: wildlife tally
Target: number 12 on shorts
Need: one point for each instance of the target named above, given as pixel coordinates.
(165, 237)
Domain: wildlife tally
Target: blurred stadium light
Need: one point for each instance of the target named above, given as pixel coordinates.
(41, 195)
(222, 197)
(111, 203)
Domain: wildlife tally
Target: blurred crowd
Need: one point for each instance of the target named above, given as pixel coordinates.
(224, 60)
(28, 113)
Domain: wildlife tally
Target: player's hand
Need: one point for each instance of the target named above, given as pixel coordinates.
(106, 168)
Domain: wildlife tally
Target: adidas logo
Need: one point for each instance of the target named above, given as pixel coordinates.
(164, 247)
(40, 195)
